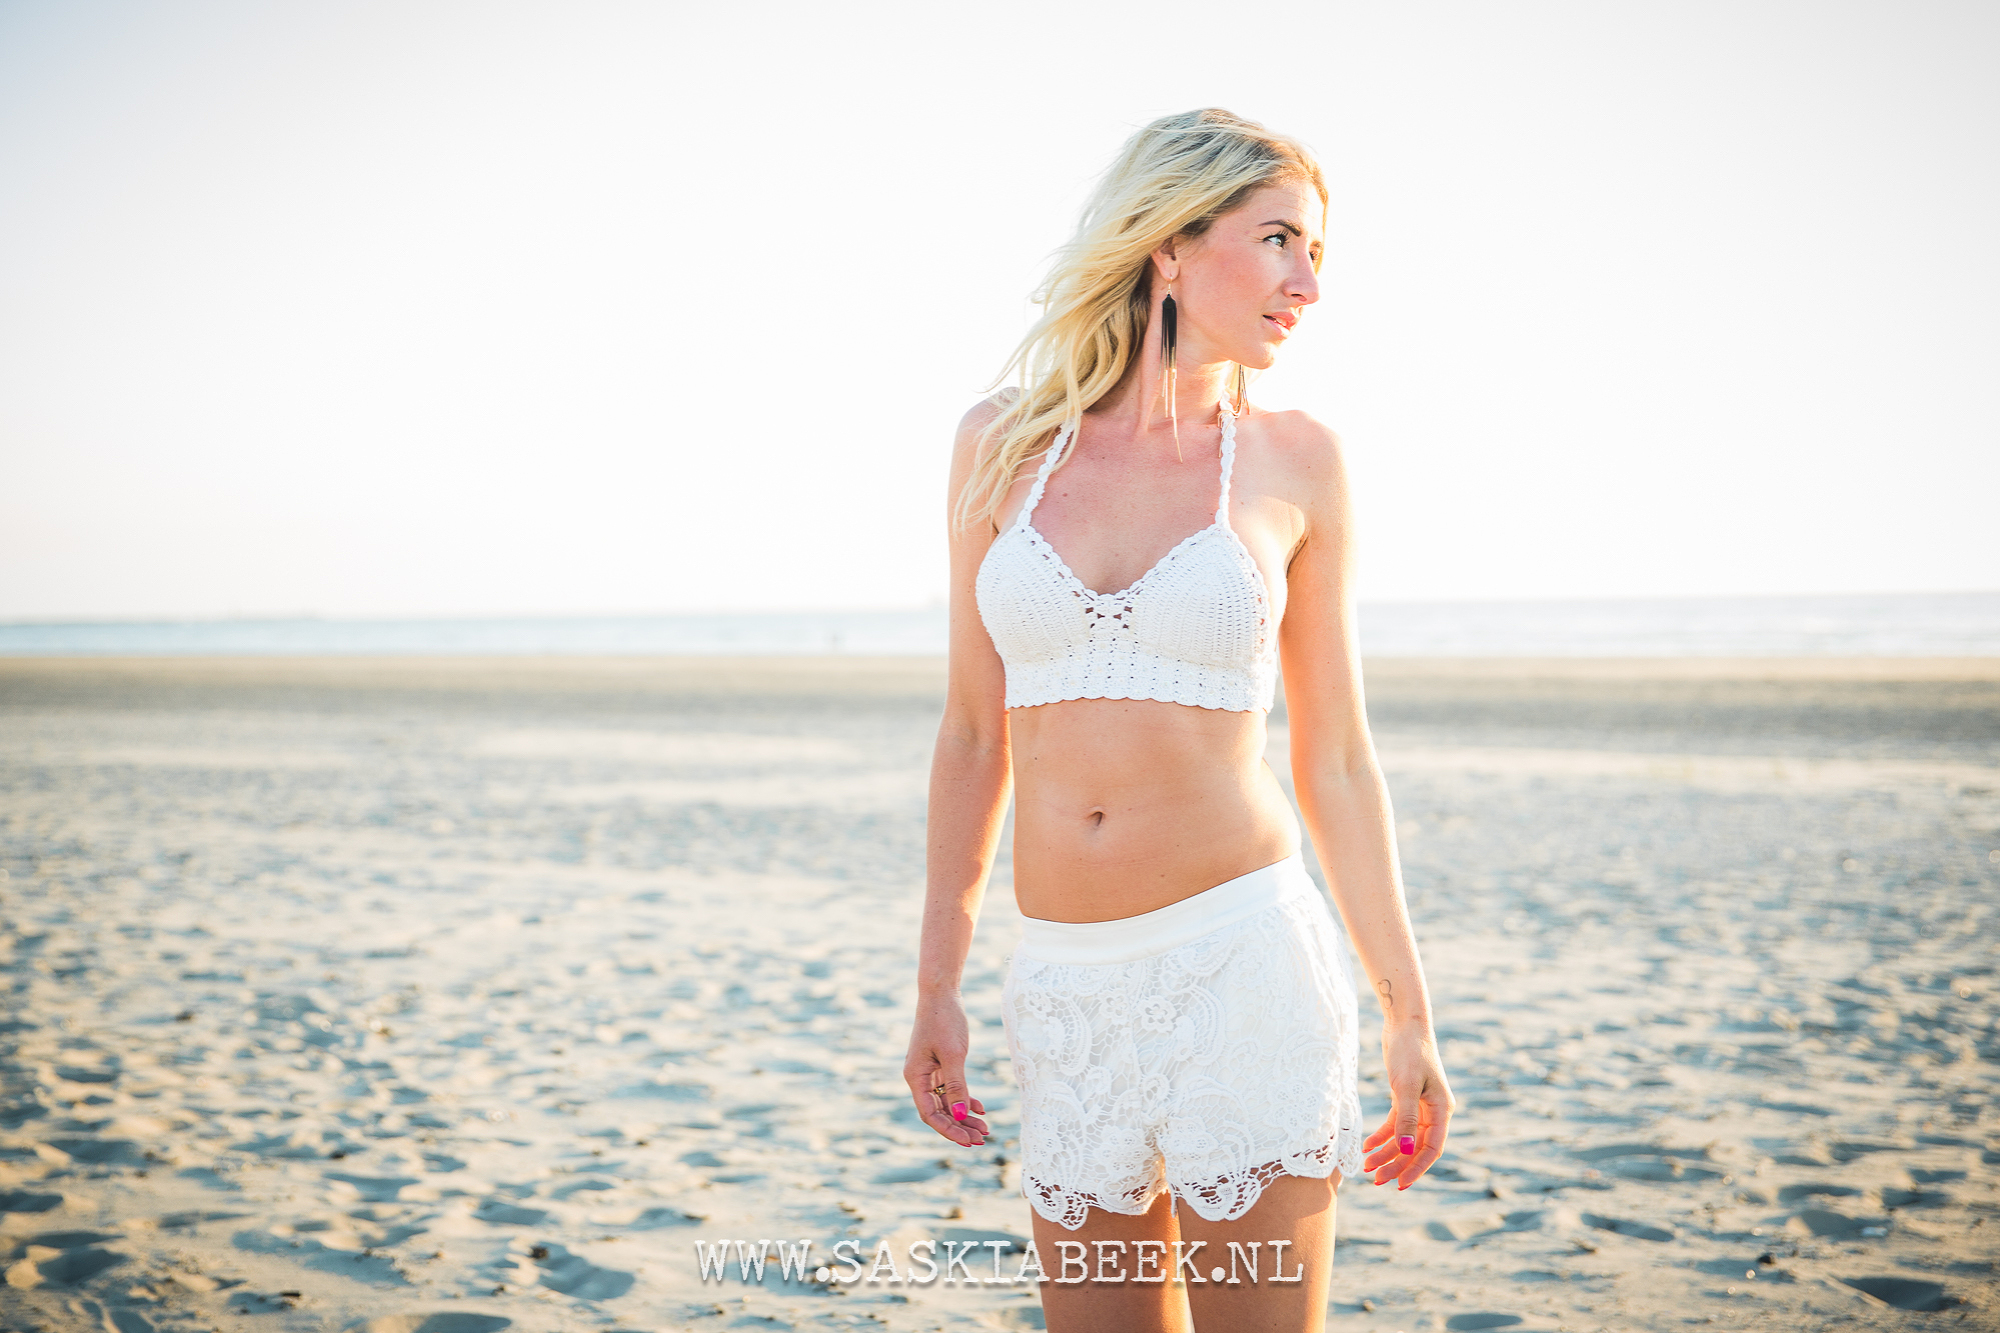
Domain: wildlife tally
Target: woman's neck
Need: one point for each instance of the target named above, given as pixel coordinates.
(1141, 395)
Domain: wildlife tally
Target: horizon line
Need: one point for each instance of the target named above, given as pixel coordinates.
(463, 617)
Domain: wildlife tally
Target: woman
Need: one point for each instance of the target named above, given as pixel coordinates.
(1180, 1011)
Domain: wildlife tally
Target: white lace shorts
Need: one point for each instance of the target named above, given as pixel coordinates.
(1203, 1049)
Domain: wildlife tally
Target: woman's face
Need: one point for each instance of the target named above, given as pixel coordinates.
(1240, 287)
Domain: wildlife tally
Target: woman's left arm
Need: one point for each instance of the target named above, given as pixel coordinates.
(1346, 803)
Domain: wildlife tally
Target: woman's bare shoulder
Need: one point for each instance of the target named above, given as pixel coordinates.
(972, 427)
(980, 415)
(1304, 448)
(1297, 432)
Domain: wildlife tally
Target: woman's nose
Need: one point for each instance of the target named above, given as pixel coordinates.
(1304, 286)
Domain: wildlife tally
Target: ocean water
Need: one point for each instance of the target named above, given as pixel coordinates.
(1862, 625)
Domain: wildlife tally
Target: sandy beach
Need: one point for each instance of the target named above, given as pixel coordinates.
(462, 995)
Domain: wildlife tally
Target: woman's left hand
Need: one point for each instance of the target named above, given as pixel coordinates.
(1412, 1136)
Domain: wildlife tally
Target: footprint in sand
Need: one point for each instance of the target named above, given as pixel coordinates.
(571, 1274)
(1847, 1150)
(650, 1219)
(87, 1074)
(102, 1152)
(293, 1146)
(1462, 1228)
(1483, 1319)
(564, 1191)
(333, 1244)
(1826, 1222)
(1900, 1198)
(1640, 1161)
(26, 1201)
(195, 1217)
(1623, 1227)
(454, 1321)
(1922, 1177)
(1761, 1268)
(377, 1189)
(1905, 1293)
(1793, 1193)
(68, 1240)
(61, 1258)
(1483, 1224)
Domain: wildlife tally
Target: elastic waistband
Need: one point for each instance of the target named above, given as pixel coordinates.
(1168, 927)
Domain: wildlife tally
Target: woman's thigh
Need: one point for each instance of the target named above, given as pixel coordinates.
(1293, 1209)
(1112, 1306)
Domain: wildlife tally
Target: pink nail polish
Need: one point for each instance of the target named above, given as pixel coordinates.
(1408, 1145)
(958, 1110)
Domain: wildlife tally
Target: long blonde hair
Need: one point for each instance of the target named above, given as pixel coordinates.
(1171, 179)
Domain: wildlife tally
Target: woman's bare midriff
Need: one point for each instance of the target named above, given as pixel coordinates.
(1122, 806)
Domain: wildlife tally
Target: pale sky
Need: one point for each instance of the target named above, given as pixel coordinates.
(486, 309)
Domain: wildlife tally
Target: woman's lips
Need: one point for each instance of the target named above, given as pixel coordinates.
(1284, 322)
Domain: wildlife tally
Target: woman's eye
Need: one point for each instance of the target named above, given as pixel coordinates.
(1279, 237)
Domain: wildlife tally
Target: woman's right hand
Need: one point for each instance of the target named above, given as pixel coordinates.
(938, 1047)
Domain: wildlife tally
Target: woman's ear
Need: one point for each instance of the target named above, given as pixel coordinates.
(1166, 262)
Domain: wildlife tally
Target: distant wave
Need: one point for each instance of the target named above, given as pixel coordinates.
(1859, 625)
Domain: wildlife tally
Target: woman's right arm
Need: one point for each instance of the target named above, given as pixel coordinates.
(971, 778)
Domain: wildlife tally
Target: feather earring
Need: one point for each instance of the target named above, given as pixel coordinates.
(1169, 329)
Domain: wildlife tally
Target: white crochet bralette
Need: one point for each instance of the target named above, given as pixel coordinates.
(1194, 629)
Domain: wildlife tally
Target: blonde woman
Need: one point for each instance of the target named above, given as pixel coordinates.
(1134, 549)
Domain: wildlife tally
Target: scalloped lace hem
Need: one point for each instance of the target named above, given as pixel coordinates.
(1224, 1198)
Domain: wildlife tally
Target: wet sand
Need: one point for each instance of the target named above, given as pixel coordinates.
(463, 995)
